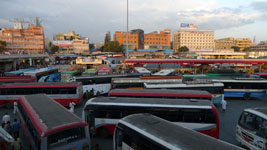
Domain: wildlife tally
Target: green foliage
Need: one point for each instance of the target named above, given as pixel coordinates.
(54, 49)
(183, 49)
(113, 46)
(247, 49)
(236, 48)
(91, 46)
(2, 46)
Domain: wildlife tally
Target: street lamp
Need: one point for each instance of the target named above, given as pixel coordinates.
(127, 33)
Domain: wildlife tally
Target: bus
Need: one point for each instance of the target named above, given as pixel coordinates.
(49, 126)
(101, 84)
(62, 92)
(138, 83)
(246, 88)
(251, 130)
(142, 71)
(161, 93)
(104, 71)
(216, 89)
(67, 76)
(148, 132)
(103, 113)
(19, 72)
(17, 79)
(44, 74)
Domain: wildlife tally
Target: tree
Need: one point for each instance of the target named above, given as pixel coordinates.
(113, 46)
(54, 49)
(247, 49)
(2, 46)
(183, 49)
(236, 48)
(91, 46)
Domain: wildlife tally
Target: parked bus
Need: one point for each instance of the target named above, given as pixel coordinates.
(148, 132)
(62, 92)
(216, 89)
(246, 88)
(103, 113)
(67, 76)
(44, 74)
(138, 83)
(161, 93)
(142, 71)
(101, 84)
(49, 126)
(251, 130)
(17, 79)
(260, 75)
(19, 72)
(104, 71)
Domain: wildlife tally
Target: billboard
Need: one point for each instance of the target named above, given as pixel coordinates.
(62, 43)
(188, 26)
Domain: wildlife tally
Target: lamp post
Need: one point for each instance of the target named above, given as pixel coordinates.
(127, 34)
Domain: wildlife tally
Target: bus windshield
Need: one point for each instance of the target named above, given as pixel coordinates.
(254, 123)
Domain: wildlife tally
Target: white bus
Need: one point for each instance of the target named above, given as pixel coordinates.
(103, 113)
(251, 130)
(148, 132)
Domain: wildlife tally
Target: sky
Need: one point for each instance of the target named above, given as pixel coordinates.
(93, 18)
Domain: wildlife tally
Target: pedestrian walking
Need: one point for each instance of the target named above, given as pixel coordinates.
(71, 105)
(15, 107)
(6, 118)
(15, 128)
(16, 144)
(224, 103)
(8, 128)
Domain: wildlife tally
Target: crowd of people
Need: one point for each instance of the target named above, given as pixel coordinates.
(12, 128)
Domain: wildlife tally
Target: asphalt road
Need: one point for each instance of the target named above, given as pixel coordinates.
(228, 120)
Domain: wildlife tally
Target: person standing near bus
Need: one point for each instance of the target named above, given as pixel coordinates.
(71, 105)
(15, 107)
(6, 118)
(224, 103)
(15, 128)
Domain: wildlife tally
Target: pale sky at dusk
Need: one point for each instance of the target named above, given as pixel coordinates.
(92, 18)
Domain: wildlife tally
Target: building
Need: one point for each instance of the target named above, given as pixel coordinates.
(225, 43)
(221, 54)
(155, 40)
(135, 39)
(259, 50)
(192, 38)
(66, 36)
(243, 43)
(71, 43)
(23, 41)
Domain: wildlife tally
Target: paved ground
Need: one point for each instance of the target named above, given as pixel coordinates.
(228, 120)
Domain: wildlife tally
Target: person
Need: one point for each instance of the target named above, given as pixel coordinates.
(87, 95)
(92, 92)
(15, 107)
(6, 118)
(15, 128)
(8, 128)
(224, 103)
(16, 144)
(71, 105)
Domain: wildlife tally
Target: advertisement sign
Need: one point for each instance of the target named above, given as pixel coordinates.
(188, 26)
(63, 43)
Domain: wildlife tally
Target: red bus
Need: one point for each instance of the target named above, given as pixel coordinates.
(103, 113)
(62, 92)
(161, 93)
(16, 79)
(49, 126)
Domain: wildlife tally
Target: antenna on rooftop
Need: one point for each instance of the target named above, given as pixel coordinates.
(19, 23)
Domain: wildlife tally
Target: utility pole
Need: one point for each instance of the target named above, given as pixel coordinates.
(127, 32)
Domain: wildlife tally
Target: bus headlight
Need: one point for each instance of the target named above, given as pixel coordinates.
(86, 147)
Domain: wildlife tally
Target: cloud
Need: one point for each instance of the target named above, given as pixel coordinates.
(259, 5)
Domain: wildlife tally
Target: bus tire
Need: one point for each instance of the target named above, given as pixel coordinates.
(8, 105)
(247, 96)
(103, 133)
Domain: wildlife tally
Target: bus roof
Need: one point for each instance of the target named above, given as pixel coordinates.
(160, 92)
(47, 115)
(138, 80)
(142, 70)
(181, 85)
(42, 84)
(164, 72)
(260, 111)
(172, 136)
(242, 80)
(150, 102)
(108, 76)
(34, 72)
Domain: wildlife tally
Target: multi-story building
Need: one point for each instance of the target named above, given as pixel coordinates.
(71, 43)
(259, 50)
(225, 43)
(23, 41)
(135, 39)
(193, 39)
(155, 40)
(243, 43)
(66, 36)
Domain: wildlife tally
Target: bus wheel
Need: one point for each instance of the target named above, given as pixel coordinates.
(247, 96)
(103, 132)
(8, 105)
